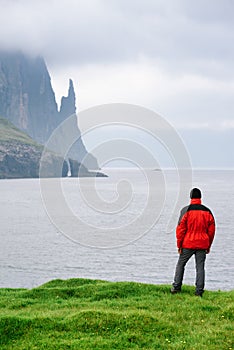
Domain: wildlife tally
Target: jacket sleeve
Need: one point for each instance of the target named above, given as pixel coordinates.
(211, 228)
(181, 228)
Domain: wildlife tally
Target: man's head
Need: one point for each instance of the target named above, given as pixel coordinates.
(195, 193)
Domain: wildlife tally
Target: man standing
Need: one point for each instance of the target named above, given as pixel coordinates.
(195, 233)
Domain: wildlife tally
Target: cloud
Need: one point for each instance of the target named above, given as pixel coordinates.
(178, 36)
(175, 56)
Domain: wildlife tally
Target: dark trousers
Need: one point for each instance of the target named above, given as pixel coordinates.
(200, 257)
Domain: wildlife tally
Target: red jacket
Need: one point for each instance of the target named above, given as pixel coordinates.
(196, 227)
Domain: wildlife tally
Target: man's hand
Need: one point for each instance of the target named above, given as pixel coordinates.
(207, 251)
(180, 250)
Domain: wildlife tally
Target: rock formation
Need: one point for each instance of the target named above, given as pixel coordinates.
(68, 104)
(79, 170)
(27, 99)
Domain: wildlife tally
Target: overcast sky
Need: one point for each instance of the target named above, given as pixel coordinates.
(173, 56)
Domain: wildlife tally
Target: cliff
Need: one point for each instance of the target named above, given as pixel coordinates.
(20, 155)
(27, 100)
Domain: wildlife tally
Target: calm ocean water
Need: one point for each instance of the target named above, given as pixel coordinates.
(34, 251)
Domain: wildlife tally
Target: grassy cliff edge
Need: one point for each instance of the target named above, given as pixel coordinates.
(93, 314)
(8, 132)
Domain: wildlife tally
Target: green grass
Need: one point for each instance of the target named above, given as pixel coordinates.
(92, 314)
(8, 133)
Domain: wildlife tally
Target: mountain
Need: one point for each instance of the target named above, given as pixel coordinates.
(27, 100)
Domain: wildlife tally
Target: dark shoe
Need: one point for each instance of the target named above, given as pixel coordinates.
(198, 294)
(175, 291)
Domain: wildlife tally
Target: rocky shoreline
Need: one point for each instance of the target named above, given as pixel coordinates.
(21, 160)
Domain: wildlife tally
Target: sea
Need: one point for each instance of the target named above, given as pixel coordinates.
(115, 228)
